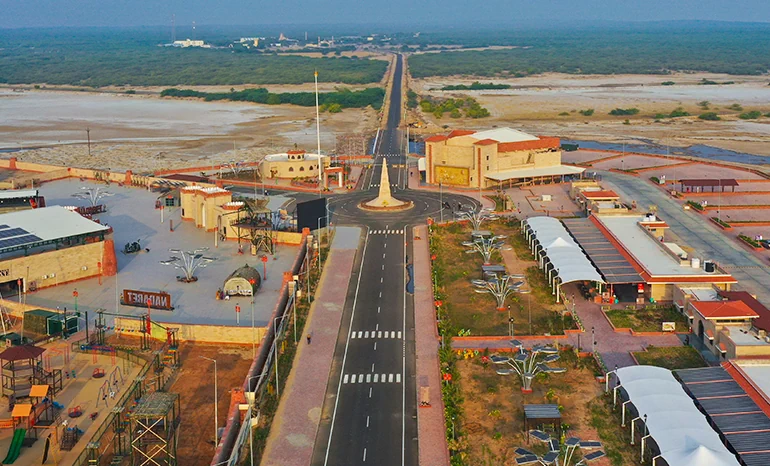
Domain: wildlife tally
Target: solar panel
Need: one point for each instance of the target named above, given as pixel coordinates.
(731, 405)
(553, 444)
(18, 241)
(499, 359)
(521, 357)
(516, 344)
(527, 459)
(603, 255)
(705, 374)
(590, 444)
(715, 389)
(3, 226)
(522, 451)
(505, 371)
(550, 457)
(572, 441)
(593, 456)
(13, 232)
(749, 442)
(540, 435)
(756, 459)
(741, 422)
(551, 358)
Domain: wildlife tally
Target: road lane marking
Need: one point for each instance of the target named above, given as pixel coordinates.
(370, 392)
(375, 346)
(390, 378)
(399, 335)
(377, 327)
(383, 266)
(360, 378)
(368, 378)
(364, 455)
(345, 354)
(367, 421)
(366, 334)
(379, 334)
(376, 376)
(398, 378)
(345, 379)
(372, 367)
(381, 279)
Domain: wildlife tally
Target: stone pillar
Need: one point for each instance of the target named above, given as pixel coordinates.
(109, 260)
(127, 181)
(12, 163)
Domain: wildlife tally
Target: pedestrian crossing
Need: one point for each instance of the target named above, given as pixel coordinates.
(371, 378)
(375, 334)
(387, 232)
(392, 185)
(389, 155)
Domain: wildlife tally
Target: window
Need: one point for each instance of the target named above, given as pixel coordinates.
(301, 169)
(487, 158)
(291, 169)
(487, 167)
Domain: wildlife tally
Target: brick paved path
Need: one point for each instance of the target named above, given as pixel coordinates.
(431, 430)
(296, 422)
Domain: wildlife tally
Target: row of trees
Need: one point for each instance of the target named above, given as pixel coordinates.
(475, 86)
(331, 101)
(455, 107)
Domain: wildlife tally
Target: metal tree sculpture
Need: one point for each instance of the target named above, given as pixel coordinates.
(93, 195)
(499, 286)
(235, 167)
(477, 217)
(527, 364)
(558, 455)
(189, 262)
(485, 245)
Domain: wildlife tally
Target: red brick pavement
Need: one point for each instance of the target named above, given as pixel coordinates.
(295, 425)
(431, 430)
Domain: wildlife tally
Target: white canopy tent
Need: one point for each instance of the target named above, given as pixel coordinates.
(669, 416)
(550, 240)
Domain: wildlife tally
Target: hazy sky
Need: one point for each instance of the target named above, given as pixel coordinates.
(44, 13)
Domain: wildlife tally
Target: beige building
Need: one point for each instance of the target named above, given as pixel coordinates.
(497, 157)
(51, 246)
(292, 164)
(726, 328)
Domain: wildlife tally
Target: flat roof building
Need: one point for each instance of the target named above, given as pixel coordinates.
(496, 157)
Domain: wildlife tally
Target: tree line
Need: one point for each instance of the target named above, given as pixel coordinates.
(332, 101)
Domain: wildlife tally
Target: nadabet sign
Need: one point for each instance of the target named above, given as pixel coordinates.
(147, 298)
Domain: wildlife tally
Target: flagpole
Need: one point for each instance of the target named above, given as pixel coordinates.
(318, 135)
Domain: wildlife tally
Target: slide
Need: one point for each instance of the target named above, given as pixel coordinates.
(13, 452)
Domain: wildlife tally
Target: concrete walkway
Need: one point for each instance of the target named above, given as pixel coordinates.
(431, 430)
(296, 422)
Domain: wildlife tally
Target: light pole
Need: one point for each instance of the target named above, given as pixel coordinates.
(294, 305)
(275, 355)
(189, 262)
(441, 199)
(253, 407)
(253, 335)
(216, 409)
(318, 134)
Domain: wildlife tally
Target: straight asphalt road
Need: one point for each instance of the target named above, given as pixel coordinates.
(696, 231)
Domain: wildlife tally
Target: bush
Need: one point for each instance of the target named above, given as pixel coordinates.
(564, 114)
(411, 99)
(709, 116)
(704, 104)
(678, 112)
(736, 107)
(588, 112)
(624, 111)
(752, 115)
(696, 205)
(751, 241)
(667, 83)
(344, 98)
(475, 86)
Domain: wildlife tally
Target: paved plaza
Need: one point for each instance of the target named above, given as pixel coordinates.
(131, 213)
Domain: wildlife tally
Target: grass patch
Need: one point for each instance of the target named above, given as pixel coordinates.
(648, 319)
(477, 313)
(720, 222)
(674, 357)
(614, 438)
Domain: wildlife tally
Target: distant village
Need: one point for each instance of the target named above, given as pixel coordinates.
(285, 43)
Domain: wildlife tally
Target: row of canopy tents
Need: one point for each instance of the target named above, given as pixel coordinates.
(663, 414)
(557, 253)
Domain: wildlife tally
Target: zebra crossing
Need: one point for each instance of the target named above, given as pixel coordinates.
(371, 378)
(386, 232)
(389, 155)
(392, 185)
(376, 334)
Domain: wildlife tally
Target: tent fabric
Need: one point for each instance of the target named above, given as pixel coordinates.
(678, 428)
(568, 259)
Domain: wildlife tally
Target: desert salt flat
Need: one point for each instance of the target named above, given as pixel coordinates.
(31, 118)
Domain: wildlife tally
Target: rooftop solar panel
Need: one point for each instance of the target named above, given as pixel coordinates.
(731, 405)
(756, 459)
(741, 422)
(613, 266)
(3, 226)
(715, 389)
(18, 241)
(9, 232)
(705, 374)
(749, 442)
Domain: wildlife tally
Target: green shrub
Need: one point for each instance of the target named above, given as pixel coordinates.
(709, 116)
(667, 83)
(587, 112)
(752, 115)
(736, 107)
(624, 111)
(696, 205)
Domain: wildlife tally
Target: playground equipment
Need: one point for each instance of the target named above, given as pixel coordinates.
(22, 367)
(98, 373)
(16, 444)
(153, 424)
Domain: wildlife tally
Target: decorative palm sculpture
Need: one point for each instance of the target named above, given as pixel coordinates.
(92, 195)
(477, 217)
(499, 286)
(485, 245)
(528, 364)
(189, 262)
(558, 455)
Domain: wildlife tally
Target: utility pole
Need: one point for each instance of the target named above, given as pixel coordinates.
(318, 134)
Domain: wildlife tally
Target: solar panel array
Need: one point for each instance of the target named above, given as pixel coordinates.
(604, 255)
(743, 424)
(15, 237)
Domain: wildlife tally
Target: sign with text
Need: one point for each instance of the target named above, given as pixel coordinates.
(147, 299)
(669, 326)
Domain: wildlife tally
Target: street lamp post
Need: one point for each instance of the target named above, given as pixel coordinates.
(216, 409)
(441, 199)
(275, 355)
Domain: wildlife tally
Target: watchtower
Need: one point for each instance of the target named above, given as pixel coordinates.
(153, 425)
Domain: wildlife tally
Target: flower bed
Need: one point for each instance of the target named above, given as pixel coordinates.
(696, 205)
(750, 242)
(721, 223)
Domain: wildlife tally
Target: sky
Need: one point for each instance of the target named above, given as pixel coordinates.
(52, 13)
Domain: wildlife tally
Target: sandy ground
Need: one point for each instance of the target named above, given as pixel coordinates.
(146, 133)
(535, 104)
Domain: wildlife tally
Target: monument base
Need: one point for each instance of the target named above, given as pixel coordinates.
(404, 205)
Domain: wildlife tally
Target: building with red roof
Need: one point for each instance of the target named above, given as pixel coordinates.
(496, 157)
